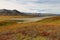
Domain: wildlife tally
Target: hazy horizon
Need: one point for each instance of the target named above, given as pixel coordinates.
(32, 6)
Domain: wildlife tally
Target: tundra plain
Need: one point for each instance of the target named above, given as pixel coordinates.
(29, 28)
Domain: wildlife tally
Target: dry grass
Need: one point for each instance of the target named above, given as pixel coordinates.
(16, 16)
(40, 30)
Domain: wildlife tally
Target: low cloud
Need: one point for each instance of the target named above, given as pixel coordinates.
(33, 6)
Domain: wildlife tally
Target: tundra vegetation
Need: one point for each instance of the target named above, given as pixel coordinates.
(46, 29)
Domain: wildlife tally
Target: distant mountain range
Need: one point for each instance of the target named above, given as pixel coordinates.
(6, 12)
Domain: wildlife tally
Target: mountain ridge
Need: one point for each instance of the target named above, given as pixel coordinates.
(6, 12)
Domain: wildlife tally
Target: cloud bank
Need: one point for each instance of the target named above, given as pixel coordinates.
(32, 6)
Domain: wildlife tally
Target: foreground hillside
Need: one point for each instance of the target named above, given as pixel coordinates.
(46, 29)
(53, 20)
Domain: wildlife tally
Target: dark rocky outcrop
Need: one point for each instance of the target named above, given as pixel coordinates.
(10, 12)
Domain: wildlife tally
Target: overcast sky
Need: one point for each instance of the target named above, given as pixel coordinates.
(34, 6)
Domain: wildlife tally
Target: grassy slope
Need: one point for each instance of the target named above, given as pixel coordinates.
(40, 30)
(16, 16)
(51, 20)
